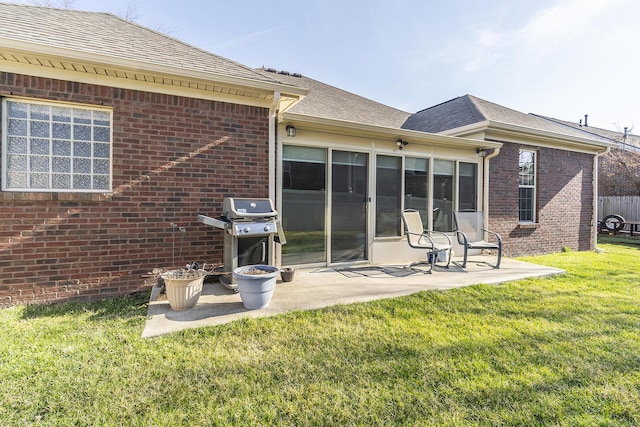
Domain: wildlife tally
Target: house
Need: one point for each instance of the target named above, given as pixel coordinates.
(114, 137)
(111, 133)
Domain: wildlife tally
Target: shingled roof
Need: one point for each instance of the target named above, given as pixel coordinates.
(329, 102)
(468, 110)
(109, 36)
(619, 137)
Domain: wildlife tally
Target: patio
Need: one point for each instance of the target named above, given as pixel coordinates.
(321, 287)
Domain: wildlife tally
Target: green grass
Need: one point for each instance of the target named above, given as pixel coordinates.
(557, 351)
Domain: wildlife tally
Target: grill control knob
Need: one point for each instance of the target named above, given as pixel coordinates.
(266, 228)
(247, 229)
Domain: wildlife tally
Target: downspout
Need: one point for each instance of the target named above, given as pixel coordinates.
(273, 157)
(273, 114)
(485, 195)
(594, 228)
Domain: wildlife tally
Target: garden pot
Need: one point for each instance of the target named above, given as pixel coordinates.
(256, 284)
(287, 274)
(183, 293)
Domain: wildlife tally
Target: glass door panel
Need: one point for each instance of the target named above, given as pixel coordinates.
(304, 172)
(443, 175)
(349, 197)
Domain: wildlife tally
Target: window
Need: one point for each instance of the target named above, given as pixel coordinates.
(416, 186)
(468, 186)
(388, 195)
(527, 186)
(55, 147)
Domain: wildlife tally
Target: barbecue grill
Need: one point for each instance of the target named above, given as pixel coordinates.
(251, 228)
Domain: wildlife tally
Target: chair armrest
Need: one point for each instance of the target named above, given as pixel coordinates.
(422, 235)
(464, 241)
(440, 233)
(495, 234)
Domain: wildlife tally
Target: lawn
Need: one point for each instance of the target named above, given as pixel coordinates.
(557, 351)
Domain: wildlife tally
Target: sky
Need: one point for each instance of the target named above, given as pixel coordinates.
(558, 58)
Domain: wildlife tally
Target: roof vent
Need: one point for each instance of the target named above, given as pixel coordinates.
(585, 120)
(275, 71)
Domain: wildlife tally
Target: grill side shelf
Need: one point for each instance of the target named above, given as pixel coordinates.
(214, 222)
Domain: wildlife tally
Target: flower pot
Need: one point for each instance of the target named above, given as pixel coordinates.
(287, 274)
(183, 293)
(256, 284)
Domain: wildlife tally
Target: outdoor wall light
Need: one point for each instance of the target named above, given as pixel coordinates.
(291, 131)
(481, 152)
(401, 143)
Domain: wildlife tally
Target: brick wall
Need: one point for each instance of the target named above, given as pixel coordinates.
(173, 157)
(564, 202)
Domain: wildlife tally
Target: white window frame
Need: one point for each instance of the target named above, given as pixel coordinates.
(530, 185)
(89, 153)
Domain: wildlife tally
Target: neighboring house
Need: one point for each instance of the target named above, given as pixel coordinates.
(114, 136)
(618, 169)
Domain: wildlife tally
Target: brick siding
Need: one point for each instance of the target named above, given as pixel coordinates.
(173, 158)
(564, 202)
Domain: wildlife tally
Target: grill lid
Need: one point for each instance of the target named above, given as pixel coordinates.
(238, 208)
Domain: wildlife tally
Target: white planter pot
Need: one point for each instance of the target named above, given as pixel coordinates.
(256, 290)
(183, 294)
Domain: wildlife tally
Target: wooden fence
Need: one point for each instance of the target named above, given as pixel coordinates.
(627, 206)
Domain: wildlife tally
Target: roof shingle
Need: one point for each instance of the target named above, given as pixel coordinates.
(468, 109)
(111, 37)
(329, 102)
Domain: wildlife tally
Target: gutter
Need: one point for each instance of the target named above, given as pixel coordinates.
(343, 127)
(526, 135)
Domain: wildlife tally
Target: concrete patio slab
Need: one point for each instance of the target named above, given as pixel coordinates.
(321, 287)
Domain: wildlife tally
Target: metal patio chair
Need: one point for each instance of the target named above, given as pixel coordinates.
(472, 235)
(433, 242)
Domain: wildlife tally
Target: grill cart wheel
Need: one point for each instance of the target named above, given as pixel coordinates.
(613, 222)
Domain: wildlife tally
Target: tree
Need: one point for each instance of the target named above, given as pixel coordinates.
(619, 169)
(57, 4)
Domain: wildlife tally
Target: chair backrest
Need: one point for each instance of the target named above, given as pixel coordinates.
(413, 225)
(470, 223)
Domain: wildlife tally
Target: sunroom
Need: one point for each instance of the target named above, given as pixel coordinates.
(341, 188)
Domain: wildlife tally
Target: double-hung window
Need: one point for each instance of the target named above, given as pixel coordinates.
(51, 147)
(527, 186)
